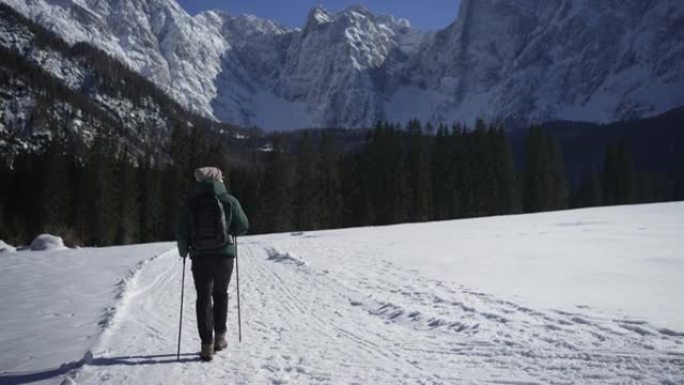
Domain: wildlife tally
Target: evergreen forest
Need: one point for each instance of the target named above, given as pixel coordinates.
(307, 180)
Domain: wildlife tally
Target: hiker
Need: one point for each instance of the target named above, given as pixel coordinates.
(210, 242)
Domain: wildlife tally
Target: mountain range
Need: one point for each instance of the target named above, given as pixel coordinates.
(516, 62)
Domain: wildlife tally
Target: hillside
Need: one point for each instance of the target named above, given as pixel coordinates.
(49, 89)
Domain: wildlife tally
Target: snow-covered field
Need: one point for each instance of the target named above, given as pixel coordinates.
(574, 297)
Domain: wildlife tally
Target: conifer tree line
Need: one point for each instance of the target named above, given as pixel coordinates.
(306, 181)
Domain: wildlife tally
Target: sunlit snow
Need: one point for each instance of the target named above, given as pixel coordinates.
(586, 296)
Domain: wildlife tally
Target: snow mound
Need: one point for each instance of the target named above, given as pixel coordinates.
(287, 258)
(5, 248)
(47, 242)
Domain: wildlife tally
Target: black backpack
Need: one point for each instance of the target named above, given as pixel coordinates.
(208, 225)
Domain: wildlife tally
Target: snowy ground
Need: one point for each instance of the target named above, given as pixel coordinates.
(573, 297)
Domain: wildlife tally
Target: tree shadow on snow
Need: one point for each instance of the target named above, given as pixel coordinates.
(10, 378)
(39, 375)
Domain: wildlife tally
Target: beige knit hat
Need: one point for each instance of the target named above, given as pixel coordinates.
(208, 173)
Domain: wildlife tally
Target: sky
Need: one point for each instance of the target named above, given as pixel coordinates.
(427, 15)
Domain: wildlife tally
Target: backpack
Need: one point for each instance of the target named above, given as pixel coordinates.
(208, 225)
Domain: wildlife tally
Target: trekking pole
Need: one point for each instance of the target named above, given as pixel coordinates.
(180, 323)
(237, 278)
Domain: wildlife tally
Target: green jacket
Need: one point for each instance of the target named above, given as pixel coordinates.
(237, 220)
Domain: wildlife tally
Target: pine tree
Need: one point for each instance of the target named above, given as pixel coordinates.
(25, 212)
(387, 181)
(619, 175)
(306, 194)
(418, 173)
(558, 195)
(185, 152)
(214, 155)
(245, 186)
(5, 180)
(97, 193)
(545, 181)
(54, 199)
(356, 207)
(440, 174)
(127, 204)
(457, 172)
(590, 192)
(149, 181)
(327, 175)
(274, 212)
(507, 200)
(645, 188)
(480, 180)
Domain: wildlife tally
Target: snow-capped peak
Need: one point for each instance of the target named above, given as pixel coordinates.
(357, 10)
(393, 21)
(318, 15)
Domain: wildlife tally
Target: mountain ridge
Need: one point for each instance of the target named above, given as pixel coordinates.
(517, 63)
(49, 89)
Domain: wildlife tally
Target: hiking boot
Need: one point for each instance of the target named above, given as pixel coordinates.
(207, 352)
(220, 342)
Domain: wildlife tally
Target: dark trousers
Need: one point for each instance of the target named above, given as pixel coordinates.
(212, 275)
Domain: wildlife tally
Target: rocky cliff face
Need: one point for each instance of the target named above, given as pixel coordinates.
(518, 62)
(529, 61)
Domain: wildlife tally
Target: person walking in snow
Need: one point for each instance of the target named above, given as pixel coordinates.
(208, 222)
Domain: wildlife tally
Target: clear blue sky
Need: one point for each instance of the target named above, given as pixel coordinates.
(423, 14)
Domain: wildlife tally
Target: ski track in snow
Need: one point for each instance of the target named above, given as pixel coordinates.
(340, 319)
